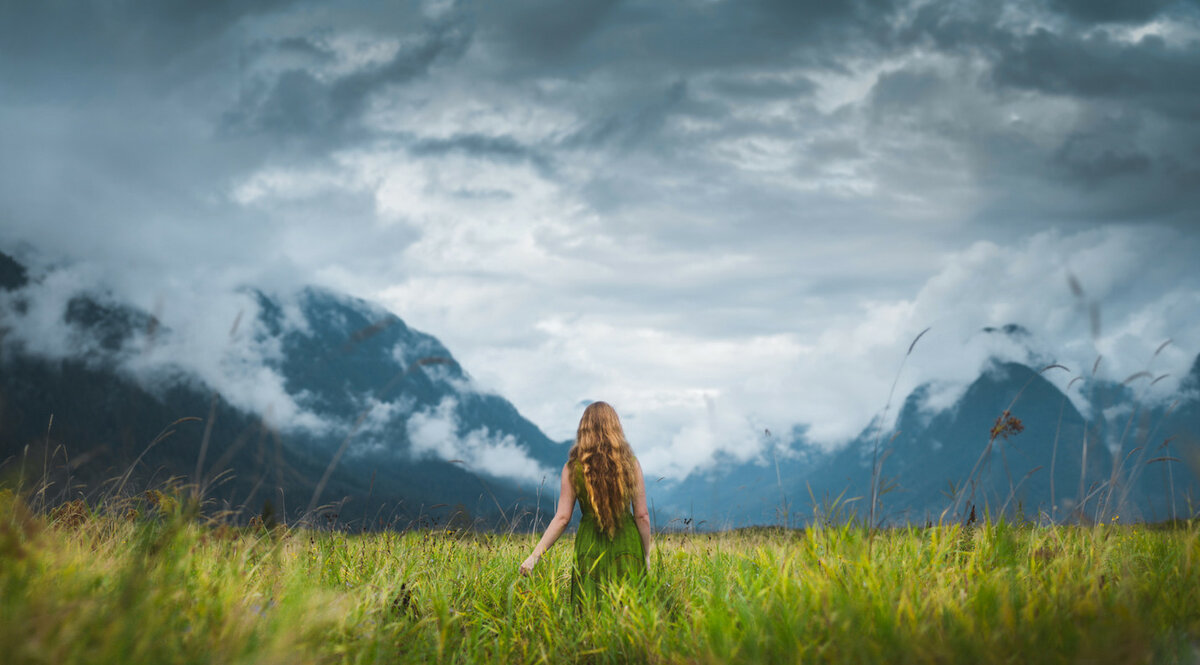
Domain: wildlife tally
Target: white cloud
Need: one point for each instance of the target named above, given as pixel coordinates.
(458, 104)
(668, 383)
(202, 333)
(39, 329)
(381, 414)
(435, 432)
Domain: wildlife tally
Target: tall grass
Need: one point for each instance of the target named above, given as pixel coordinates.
(154, 583)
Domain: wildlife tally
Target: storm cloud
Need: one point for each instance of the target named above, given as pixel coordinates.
(720, 216)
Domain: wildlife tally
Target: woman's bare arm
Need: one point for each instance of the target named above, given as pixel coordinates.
(641, 515)
(558, 524)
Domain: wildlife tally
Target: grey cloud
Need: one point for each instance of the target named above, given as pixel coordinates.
(89, 39)
(1111, 11)
(814, 32)
(1098, 157)
(905, 89)
(297, 104)
(545, 29)
(647, 40)
(945, 26)
(304, 46)
(835, 150)
(1148, 73)
(805, 17)
(767, 88)
(632, 124)
(477, 194)
(113, 143)
(293, 104)
(1125, 149)
(504, 148)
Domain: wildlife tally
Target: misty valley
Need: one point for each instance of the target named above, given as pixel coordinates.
(342, 415)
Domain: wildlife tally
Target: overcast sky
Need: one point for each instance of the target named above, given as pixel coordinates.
(720, 216)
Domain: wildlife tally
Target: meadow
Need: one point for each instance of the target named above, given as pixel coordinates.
(150, 581)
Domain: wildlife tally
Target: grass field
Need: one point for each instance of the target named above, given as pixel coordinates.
(79, 586)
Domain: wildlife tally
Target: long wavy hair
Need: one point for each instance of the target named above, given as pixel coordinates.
(603, 458)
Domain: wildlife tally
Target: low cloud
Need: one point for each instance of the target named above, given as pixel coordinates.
(437, 432)
(217, 341)
(214, 337)
(686, 398)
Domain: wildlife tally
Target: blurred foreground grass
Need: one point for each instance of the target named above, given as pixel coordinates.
(161, 587)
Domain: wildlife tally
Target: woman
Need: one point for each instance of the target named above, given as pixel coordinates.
(603, 474)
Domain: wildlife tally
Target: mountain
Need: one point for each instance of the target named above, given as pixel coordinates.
(404, 433)
(938, 464)
(318, 400)
(348, 352)
(932, 457)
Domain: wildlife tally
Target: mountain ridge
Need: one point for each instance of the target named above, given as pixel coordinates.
(397, 430)
(937, 465)
(355, 370)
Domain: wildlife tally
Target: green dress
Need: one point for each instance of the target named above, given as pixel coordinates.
(599, 558)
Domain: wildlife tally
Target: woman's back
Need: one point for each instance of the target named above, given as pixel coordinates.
(600, 557)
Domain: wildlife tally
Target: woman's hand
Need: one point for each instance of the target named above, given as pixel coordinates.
(529, 563)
